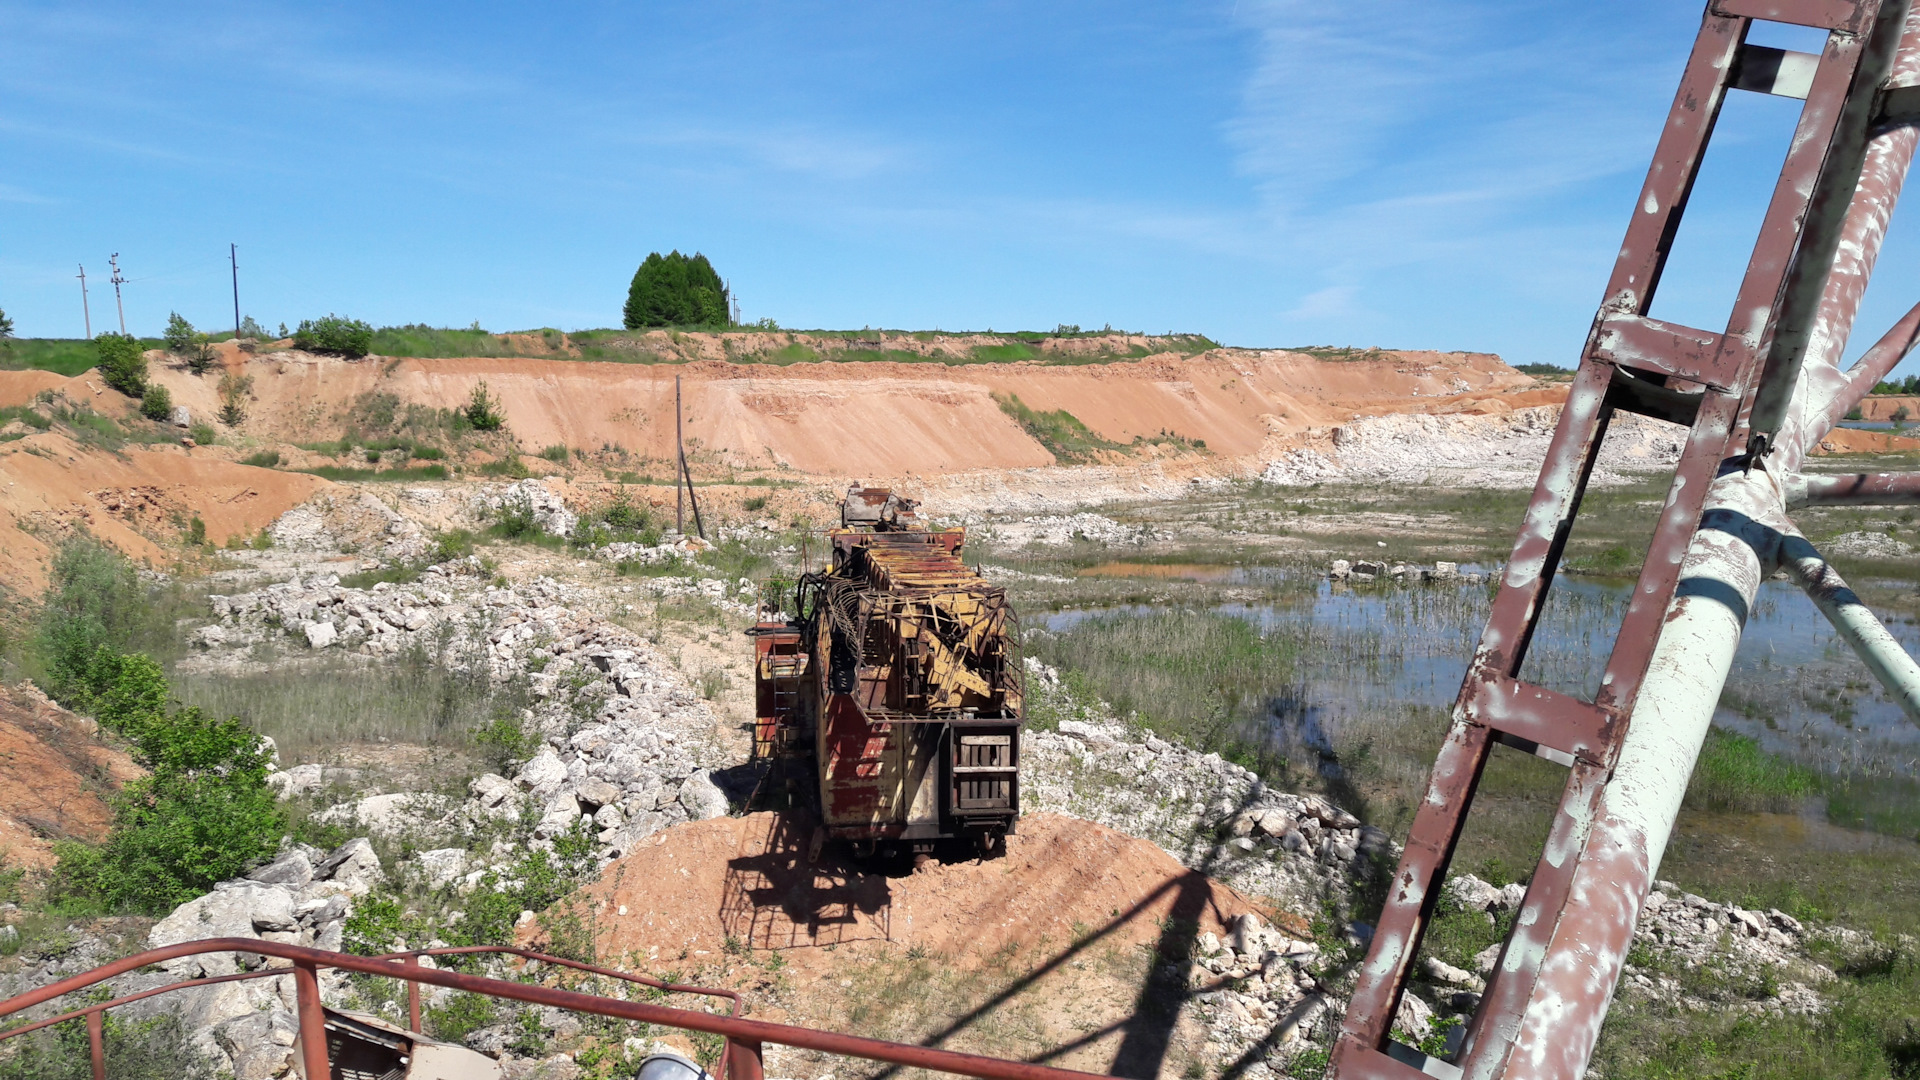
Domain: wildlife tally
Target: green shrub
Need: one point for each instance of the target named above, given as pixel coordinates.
(202, 815)
(675, 290)
(455, 544)
(483, 409)
(203, 434)
(624, 516)
(179, 333)
(265, 459)
(122, 364)
(334, 334)
(157, 403)
(95, 600)
(1062, 433)
(557, 453)
(154, 1049)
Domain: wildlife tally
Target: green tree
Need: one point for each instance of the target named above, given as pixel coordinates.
(483, 409)
(201, 359)
(123, 365)
(179, 334)
(334, 334)
(6, 325)
(676, 290)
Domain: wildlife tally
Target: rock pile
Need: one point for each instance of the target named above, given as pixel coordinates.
(1867, 545)
(1058, 530)
(349, 523)
(1362, 571)
(1207, 812)
(1256, 987)
(532, 497)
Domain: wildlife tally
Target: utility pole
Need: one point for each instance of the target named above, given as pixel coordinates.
(233, 257)
(679, 464)
(85, 312)
(114, 261)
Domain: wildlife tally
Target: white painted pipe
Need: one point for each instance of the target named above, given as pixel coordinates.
(1878, 649)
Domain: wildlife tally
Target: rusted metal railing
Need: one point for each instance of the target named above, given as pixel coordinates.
(740, 1060)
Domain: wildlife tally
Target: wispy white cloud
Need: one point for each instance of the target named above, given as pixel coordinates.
(11, 194)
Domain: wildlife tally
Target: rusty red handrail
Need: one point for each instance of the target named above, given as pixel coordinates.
(744, 1037)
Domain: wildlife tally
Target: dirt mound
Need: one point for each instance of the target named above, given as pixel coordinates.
(747, 880)
(1071, 949)
(1854, 441)
(55, 777)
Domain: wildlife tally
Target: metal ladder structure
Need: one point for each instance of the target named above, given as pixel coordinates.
(1734, 389)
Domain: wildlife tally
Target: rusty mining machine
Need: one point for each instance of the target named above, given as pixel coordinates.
(892, 698)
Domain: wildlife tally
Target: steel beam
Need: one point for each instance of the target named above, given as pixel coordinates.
(1853, 489)
(1878, 649)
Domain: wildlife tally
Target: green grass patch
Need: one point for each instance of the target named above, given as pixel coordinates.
(406, 473)
(1011, 353)
(420, 340)
(265, 459)
(1062, 433)
(1200, 676)
(1734, 773)
(63, 356)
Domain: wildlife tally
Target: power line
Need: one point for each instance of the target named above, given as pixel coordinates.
(233, 256)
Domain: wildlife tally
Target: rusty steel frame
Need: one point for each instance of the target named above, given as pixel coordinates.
(1773, 377)
(741, 1060)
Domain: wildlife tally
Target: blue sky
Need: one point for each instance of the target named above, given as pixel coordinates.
(1451, 176)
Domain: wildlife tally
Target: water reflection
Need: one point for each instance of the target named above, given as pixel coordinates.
(1377, 649)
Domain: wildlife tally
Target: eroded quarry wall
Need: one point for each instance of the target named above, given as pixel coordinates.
(875, 419)
(880, 418)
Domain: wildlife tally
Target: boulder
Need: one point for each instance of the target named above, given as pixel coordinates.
(702, 798)
(1273, 821)
(291, 869)
(441, 865)
(1415, 1017)
(260, 1043)
(594, 793)
(1472, 893)
(1248, 934)
(352, 866)
(319, 634)
(295, 781)
(1440, 971)
(243, 909)
(388, 815)
(543, 773)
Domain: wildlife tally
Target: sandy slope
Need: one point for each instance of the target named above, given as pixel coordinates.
(874, 418)
(50, 485)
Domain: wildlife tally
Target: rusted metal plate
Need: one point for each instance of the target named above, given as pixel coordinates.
(1664, 348)
(1540, 715)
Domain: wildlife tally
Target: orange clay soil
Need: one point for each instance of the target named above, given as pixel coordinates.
(55, 778)
(133, 499)
(866, 418)
(1072, 948)
(697, 886)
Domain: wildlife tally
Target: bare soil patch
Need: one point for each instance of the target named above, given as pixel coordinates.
(56, 776)
(1071, 948)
